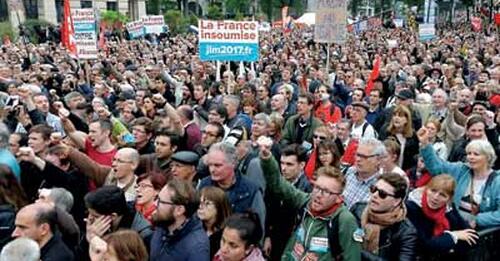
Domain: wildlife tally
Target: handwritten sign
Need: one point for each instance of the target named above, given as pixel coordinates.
(331, 21)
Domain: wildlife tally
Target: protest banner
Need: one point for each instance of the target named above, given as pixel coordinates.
(228, 40)
(135, 29)
(85, 33)
(426, 32)
(153, 24)
(331, 21)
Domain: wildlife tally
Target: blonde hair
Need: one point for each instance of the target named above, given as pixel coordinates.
(443, 182)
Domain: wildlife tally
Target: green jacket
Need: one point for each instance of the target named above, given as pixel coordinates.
(310, 239)
(291, 127)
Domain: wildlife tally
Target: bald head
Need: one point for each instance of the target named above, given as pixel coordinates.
(129, 154)
(36, 221)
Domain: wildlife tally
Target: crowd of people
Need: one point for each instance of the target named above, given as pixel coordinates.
(147, 153)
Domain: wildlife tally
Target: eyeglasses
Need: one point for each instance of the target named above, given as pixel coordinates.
(363, 156)
(143, 186)
(382, 194)
(159, 201)
(319, 137)
(323, 192)
(121, 161)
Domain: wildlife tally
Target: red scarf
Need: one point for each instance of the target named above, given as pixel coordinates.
(437, 215)
(327, 212)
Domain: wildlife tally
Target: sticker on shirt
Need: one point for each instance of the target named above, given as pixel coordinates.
(358, 235)
(298, 251)
(319, 244)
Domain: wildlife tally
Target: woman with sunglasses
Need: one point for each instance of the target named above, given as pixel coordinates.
(322, 134)
(147, 189)
(386, 233)
(440, 227)
(213, 211)
(478, 185)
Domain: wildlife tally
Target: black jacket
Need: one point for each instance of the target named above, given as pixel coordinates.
(7, 218)
(429, 245)
(410, 149)
(56, 250)
(397, 242)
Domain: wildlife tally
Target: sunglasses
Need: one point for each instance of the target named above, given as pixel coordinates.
(319, 137)
(382, 194)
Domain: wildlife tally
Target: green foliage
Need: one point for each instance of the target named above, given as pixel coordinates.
(153, 7)
(353, 6)
(177, 22)
(237, 6)
(111, 17)
(214, 12)
(6, 29)
(30, 25)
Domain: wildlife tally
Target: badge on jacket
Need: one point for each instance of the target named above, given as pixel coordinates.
(358, 235)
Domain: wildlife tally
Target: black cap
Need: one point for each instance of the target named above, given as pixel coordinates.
(405, 94)
(363, 105)
(186, 157)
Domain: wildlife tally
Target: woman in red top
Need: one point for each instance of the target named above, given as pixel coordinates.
(147, 189)
(325, 110)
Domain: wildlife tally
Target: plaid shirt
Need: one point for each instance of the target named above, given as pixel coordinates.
(357, 190)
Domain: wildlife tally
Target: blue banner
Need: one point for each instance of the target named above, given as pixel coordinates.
(247, 52)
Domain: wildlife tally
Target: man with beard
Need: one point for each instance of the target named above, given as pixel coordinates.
(179, 235)
(323, 213)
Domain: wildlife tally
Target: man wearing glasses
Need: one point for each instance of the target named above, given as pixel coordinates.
(365, 171)
(316, 237)
(387, 233)
(178, 235)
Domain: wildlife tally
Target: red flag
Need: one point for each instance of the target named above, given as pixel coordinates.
(102, 38)
(67, 30)
(476, 24)
(373, 76)
(497, 19)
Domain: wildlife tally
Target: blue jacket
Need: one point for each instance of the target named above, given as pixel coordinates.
(243, 195)
(489, 209)
(189, 243)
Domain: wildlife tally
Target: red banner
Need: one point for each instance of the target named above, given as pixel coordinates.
(497, 19)
(67, 30)
(476, 24)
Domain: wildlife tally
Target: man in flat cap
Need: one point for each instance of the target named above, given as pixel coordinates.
(360, 127)
(184, 166)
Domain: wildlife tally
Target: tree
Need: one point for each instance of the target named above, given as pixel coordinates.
(214, 12)
(153, 7)
(237, 6)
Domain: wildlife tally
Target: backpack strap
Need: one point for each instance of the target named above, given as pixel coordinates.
(333, 238)
(365, 126)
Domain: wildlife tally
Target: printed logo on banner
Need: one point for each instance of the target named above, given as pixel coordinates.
(153, 24)
(85, 33)
(135, 29)
(427, 32)
(331, 21)
(228, 40)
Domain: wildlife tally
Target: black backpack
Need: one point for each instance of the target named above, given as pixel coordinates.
(333, 233)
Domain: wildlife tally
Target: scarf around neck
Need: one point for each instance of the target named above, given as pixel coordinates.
(437, 216)
(373, 223)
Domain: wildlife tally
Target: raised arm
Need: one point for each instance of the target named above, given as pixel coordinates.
(77, 137)
(434, 164)
(275, 183)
